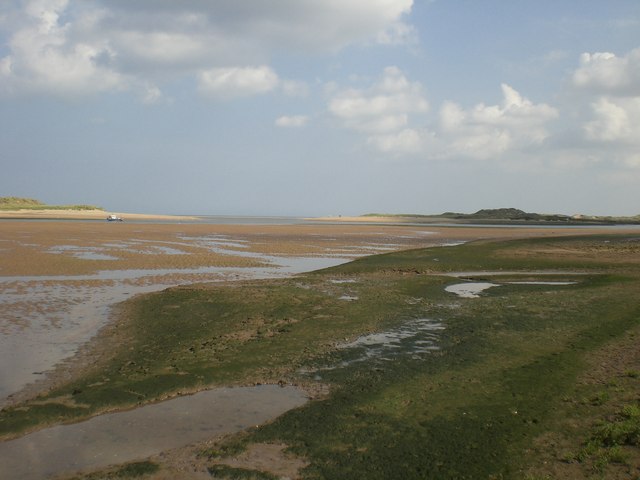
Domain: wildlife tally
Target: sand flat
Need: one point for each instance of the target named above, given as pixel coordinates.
(59, 279)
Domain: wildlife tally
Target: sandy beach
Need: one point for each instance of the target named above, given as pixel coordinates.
(45, 214)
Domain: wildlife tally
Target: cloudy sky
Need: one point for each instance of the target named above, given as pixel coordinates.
(314, 107)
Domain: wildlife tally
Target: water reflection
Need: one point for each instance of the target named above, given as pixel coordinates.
(411, 339)
(122, 437)
(45, 319)
(469, 289)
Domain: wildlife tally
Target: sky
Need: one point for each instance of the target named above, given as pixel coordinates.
(322, 107)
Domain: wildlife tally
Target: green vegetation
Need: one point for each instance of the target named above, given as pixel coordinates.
(224, 471)
(511, 392)
(610, 440)
(19, 203)
(128, 470)
(512, 215)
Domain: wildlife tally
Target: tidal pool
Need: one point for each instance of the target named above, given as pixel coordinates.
(122, 437)
(469, 289)
(45, 319)
(413, 338)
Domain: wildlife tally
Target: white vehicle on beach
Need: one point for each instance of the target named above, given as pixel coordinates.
(114, 218)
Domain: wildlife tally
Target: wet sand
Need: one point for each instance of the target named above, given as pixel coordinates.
(125, 436)
(45, 214)
(59, 279)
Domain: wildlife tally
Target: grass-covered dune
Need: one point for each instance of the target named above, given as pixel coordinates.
(21, 203)
(529, 380)
(508, 216)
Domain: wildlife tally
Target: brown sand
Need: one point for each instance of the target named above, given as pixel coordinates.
(84, 215)
(73, 248)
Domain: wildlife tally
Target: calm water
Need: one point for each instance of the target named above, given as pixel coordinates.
(469, 289)
(64, 315)
(122, 437)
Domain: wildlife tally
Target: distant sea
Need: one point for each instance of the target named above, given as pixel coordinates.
(285, 220)
(289, 220)
(250, 220)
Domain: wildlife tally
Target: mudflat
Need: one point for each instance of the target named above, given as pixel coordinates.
(73, 248)
(314, 327)
(59, 279)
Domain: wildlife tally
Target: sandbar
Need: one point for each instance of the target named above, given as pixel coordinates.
(52, 214)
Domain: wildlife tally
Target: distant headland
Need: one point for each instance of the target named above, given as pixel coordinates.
(492, 216)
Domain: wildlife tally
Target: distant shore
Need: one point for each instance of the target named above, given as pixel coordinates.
(51, 214)
(97, 214)
(469, 220)
(368, 218)
(382, 219)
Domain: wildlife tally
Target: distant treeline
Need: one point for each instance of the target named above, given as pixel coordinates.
(20, 203)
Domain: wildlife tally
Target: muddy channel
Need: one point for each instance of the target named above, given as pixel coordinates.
(125, 436)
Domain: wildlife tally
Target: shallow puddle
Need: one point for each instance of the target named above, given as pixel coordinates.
(411, 339)
(45, 319)
(84, 253)
(122, 437)
(469, 289)
(348, 298)
(472, 289)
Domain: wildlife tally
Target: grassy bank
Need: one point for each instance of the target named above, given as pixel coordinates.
(19, 203)
(512, 391)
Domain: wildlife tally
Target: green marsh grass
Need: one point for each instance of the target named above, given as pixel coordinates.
(129, 470)
(506, 372)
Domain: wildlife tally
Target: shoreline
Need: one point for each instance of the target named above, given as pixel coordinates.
(268, 240)
(70, 214)
(51, 214)
(465, 222)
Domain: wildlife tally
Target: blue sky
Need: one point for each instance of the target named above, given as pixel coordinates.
(327, 107)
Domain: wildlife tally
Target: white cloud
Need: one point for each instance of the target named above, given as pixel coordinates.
(452, 116)
(64, 47)
(615, 120)
(486, 131)
(309, 25)
(161, 48)
(610, 86)
(606, 73)
(382, 110)
(232, 82)
(43, 56)
(150, 94)
(292, 121)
